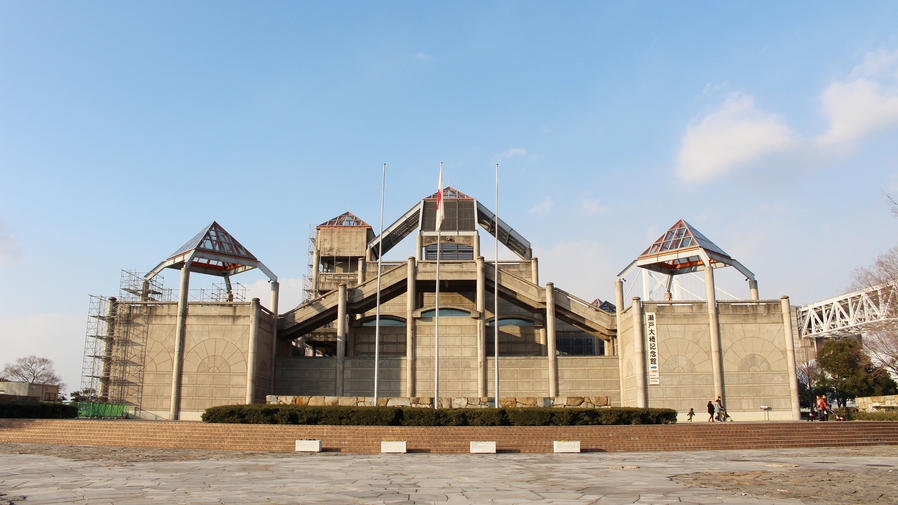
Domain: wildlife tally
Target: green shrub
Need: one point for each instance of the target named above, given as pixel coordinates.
(415, 416)
(36, 410)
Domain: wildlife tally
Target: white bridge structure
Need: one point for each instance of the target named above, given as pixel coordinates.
(848, 314)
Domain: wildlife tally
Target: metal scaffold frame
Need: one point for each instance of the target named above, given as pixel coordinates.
(115, 342)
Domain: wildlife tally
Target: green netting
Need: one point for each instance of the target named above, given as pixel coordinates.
(86, 409)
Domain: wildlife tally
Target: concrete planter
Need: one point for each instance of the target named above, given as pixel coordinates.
(308, 446)
(566, 445)
(483, 447)
(393, 447)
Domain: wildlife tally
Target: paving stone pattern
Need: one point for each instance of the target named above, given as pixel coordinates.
(131, 476)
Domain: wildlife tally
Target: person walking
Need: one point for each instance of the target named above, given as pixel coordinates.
(718, 409)
(710, 411)
(690, 414)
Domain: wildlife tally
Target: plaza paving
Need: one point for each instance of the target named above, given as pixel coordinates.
(32, 474)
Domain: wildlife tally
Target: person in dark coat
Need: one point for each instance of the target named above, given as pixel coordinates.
(710, 411)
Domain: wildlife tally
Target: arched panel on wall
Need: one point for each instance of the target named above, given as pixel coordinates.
(680, 355)
(754, 354)
(216, 352)
(158, 358)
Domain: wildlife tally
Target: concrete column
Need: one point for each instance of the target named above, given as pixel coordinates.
(174, 411)
(418, 246)
(316, 265)
(667, 295)
(619, 310)
(639, 360)
(481, 329)
(108, 348)
(551, 341)
(790, 357)
(753, 289)
(362, 270)
(477, 245)
(253, 349)
(534, 271)
(608, 347)
(714, 323)
(275, 294)
(341, 338)
(410, 325)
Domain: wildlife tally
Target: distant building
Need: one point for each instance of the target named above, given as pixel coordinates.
(15, 391)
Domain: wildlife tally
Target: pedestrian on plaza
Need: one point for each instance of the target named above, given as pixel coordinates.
(690, 414)
(718, 409)
(710, 411)
(812, 413)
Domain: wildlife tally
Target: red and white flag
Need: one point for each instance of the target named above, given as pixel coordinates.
(440, 211)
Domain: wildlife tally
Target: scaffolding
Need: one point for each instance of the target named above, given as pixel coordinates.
(115, 342)
(307, 288)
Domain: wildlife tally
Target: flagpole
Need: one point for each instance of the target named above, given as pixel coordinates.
(496, 295)
(436, 329)
(380, 248)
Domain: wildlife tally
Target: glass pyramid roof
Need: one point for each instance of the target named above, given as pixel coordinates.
(681, 237)
(450, 193)
(216, 240)
(345, 219)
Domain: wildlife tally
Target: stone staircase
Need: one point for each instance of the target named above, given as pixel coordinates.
(454, 439)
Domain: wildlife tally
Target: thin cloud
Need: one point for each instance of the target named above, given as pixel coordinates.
(514, 152)
(542, 208)
(593, 207)
(10, 247)
(739, 136)
(421, 57)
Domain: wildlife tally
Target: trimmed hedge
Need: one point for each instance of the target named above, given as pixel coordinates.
(416, 416)
(37, 410)
(853, 414)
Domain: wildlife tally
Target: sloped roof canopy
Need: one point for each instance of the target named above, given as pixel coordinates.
(213, 251)
(420, 217)
(683, 249)
(345, 219)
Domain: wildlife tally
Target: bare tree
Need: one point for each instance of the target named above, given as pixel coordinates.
(33, 370)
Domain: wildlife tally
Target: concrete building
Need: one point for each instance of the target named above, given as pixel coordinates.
(172, 359)
(15, 391)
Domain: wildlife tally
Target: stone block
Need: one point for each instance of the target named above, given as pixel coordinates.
(393, 447)
(308, 446)
(483, 447)
(566, 445)
(573, 401)
(316, 401)
(508, 402)
(347, 401)
(527, 401)
(398, 402)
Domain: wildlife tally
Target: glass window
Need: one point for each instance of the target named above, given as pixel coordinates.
(511, 321)
(446, 313)
(384, 322)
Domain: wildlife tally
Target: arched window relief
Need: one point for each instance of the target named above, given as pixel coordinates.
(384, 322)
(446, 313)
(511, 321)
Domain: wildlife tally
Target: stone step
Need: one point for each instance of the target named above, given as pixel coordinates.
(455, 439)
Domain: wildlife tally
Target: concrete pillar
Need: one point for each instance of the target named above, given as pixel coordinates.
(410, 324)
(341, 338)
(174, 411)
(753, 289)
(362, 270)
(551, 341)
(477, 245)
(619, 309)
(534, 271)
(145, 291)
(667, 295)
(481, 329)
(608, 347)
(418, 246)
(316, 265)
(714, 323)
(253, 349)
(275, 295)
(108, 348)
(639, 345)
(790, 356)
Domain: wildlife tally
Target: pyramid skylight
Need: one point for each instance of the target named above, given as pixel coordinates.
(345, 219)
(213, 251)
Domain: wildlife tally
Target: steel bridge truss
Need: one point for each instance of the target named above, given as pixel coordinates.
(848, 314)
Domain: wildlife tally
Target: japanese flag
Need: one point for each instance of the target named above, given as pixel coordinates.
(440, 211)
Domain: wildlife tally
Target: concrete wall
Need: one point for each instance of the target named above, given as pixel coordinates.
(216, 349)
(33, 392)
(343, 241)
(755, 371)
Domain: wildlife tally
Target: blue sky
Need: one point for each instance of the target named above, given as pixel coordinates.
(125, 128)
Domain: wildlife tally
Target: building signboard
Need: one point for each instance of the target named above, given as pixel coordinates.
(652, 337)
